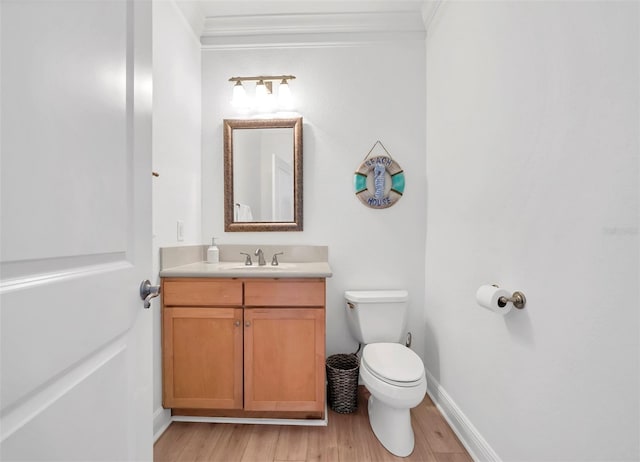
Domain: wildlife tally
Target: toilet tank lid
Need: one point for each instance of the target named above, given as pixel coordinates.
(374, 296)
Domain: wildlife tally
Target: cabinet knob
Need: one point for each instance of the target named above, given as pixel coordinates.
(247, 324)
(237, 323)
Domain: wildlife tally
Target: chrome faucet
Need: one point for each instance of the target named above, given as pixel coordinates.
(247, 260)
(274, 260)
(260, 254)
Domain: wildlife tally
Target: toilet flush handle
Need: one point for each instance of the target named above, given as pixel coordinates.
(351, 305)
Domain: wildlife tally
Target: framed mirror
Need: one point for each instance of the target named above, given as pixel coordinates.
(263, 174)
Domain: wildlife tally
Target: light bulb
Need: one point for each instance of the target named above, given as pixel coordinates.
(265, 99)
(239, 95)
(285, 100)
(261, 91)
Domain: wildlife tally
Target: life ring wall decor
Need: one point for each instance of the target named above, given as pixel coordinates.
(379, 181)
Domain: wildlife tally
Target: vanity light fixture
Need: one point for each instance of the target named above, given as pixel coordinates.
(265, 100)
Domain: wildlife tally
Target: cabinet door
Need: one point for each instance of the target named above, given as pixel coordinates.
(202, 350)
(284, 359)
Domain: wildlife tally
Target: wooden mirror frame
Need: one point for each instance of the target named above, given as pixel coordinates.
(229, 126)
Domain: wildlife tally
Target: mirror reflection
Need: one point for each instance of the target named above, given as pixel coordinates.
(263, 174)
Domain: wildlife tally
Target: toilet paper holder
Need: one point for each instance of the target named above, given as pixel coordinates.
(517, 298)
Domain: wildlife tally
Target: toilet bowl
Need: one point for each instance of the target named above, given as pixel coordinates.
(393, 373)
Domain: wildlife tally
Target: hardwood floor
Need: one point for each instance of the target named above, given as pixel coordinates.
(347, 438)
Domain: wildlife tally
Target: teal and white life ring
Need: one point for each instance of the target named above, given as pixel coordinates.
(379, 182)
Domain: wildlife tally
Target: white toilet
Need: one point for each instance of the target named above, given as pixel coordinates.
(393, 373)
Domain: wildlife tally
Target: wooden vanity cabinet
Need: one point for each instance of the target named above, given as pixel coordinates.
(252, 344)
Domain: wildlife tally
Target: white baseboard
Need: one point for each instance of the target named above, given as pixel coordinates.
(162, 418)
(252, 421)
(258, 421)
(161, 421)
(472, 440)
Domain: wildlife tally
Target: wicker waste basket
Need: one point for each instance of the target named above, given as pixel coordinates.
(342, 386)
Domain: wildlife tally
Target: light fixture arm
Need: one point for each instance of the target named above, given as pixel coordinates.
(262, 77)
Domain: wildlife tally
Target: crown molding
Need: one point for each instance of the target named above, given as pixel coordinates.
(193, 15)
(429, 11)
(264, 31)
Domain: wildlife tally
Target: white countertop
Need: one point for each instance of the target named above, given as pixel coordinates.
(320, 269)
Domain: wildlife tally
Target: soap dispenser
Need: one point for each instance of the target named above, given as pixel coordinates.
(213, 253)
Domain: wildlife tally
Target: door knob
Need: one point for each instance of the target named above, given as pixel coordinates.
(147, 292)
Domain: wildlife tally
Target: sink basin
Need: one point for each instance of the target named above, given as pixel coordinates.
(242, 267)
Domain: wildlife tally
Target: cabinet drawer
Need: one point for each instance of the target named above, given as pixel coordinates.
(284, 292)
(201, 292)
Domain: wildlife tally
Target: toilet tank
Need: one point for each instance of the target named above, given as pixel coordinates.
(376, 315)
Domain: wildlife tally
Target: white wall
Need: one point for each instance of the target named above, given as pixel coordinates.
(532, 183)
(176, 149)
(349, 97)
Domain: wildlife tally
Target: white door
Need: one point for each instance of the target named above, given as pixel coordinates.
(75, 370)
(281, 190)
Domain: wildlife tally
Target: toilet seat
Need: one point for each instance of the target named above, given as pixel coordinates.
(394, 364)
